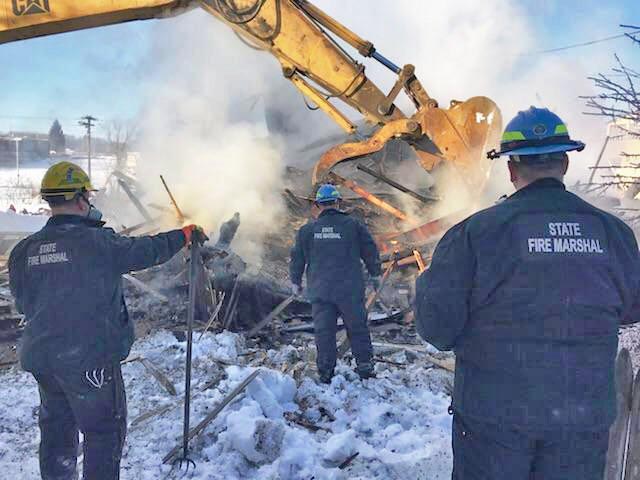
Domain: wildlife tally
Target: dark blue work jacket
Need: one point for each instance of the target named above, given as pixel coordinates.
(332, 249)
(530, 294)
(66, 279)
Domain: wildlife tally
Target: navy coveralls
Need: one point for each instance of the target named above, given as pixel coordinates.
(332, 249)
(66, 279)
(530, 294)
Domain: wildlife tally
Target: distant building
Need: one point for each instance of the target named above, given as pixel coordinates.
(27, 147)
(623, 155)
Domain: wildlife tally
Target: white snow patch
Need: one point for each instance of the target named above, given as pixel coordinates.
(397, 423)
(17, 223)
(340, 446)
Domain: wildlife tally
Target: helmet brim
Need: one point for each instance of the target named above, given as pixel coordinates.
(563, 147)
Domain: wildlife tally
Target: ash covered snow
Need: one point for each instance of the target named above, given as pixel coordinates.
(398, 423)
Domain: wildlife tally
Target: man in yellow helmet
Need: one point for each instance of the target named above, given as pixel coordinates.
(66, 279)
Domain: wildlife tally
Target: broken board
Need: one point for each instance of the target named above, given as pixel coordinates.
(619, 429)
(632, 468)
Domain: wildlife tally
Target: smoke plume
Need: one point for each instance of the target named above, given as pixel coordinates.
(204, 121)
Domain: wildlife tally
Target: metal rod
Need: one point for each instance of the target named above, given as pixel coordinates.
(181, 216)
(386, 62)
(363, 46)
(193, 278)
(396, 185)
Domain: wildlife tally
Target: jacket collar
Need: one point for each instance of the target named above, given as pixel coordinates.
(543, 183)
(331, 211)
(73, 220)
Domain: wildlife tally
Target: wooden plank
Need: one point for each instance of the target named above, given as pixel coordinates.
(620, 427)
(144, 287)
(169, 457)
(214, 315)
(448, 364)
(632, 465)
(231, 306)
(168, 407)
(159, 376)
(274, 313)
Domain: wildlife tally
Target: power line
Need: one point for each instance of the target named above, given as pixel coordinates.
(583, 44)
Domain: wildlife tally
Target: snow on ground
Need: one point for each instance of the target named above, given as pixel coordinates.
(398, 422)
(20, 188)
(17, 223)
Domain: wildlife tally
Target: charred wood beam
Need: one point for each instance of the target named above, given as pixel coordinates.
(274, 313)
(144, 287)
(138, 204)
(133, 228)
(369, 197)
(396, 185)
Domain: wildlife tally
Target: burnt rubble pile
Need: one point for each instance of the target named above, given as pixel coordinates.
(236, 296)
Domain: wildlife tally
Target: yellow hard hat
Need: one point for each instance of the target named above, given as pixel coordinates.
(65, 179)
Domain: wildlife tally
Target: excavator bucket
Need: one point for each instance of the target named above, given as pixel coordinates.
(463, 134)
(460, 136)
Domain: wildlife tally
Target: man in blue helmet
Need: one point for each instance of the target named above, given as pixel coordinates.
(331, 249)
(529, 294)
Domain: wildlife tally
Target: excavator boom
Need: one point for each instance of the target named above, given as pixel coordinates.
(23, 19)
(301, 37)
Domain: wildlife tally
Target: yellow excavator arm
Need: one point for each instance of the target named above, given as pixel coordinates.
(301, 37)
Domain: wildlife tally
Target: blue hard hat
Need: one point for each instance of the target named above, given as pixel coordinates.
(536, 131)
(327, 193)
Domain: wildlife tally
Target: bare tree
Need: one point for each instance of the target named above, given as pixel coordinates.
(120, 135)
(619, 97)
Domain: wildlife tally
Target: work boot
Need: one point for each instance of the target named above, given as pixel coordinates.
(366, 371)
(325, 377)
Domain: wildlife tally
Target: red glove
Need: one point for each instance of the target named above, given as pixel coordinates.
(195, 232)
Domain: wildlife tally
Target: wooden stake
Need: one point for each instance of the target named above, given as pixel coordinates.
(213, 317)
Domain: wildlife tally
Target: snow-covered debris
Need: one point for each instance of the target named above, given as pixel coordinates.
(397, 423)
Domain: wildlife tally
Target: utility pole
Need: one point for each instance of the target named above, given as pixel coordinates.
(18, 140)
(87, 122)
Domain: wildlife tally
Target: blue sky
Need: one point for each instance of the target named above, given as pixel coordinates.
(104, 71)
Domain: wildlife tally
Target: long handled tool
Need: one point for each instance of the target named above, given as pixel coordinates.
(196, 260)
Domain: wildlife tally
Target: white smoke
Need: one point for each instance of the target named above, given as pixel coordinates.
(204, 128)
(198, 131)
